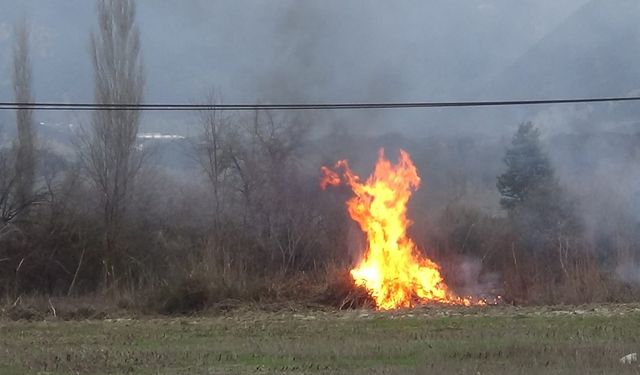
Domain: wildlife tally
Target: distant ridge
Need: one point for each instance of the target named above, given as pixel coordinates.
(595, 51)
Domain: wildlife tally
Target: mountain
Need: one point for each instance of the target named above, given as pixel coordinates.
(595, 52)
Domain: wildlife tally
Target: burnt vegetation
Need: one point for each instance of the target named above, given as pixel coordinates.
(236, 213)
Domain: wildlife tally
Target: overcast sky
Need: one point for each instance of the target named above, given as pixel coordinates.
(317, 51)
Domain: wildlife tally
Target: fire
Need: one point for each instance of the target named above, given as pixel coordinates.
(393, 270)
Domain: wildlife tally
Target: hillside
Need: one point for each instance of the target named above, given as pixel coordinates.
(595, 52)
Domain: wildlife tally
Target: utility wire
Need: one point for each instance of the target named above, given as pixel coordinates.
(315, 106)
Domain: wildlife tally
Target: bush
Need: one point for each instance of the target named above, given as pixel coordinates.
(186, 297)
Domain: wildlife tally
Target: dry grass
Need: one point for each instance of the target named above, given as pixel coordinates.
(341, 293)
(491, 340)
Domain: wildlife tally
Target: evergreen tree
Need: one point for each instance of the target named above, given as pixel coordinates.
(528, 168)
(538, 207)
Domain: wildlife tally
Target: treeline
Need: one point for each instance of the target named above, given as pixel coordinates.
(542, 250)
(108, 221)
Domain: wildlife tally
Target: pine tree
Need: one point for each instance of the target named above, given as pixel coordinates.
(528, 168)
(538, 207)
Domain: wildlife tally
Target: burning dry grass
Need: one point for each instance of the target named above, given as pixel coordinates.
(393, 270)
(342, 293)
(495, 340)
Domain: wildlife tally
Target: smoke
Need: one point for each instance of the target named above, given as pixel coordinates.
(293, 51)
(361, 50)
(628, 273)
(5, 31)
(474, 281)
(554, 120)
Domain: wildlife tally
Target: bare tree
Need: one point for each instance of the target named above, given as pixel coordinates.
(25, 147)
(8, 207)
(110, 155)
(277, 207)
(212, 152)
(17, 164)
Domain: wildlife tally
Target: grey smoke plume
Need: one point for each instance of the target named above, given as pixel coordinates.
(363, 50)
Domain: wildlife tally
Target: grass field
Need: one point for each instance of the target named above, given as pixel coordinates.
(490, 340)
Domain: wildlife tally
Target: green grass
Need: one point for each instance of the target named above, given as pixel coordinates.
(492, 340)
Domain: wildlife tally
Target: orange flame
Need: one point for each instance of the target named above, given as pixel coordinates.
(392, 270)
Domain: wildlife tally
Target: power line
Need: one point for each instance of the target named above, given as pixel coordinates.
(288, 107)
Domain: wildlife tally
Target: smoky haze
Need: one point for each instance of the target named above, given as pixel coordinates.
(336, 51)
(329, 51)
(242, 188)
(363, 51)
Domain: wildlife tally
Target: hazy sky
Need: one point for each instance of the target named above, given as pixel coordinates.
(323, 51)
(276, 49)
(372, 50)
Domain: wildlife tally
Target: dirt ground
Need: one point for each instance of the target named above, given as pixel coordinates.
(428, 340)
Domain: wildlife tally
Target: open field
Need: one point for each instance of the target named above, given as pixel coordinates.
(491, 340)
